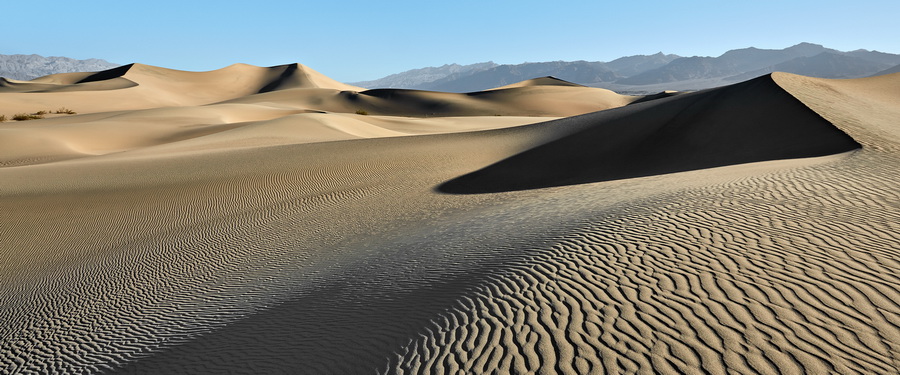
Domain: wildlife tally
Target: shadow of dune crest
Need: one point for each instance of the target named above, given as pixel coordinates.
(747, 122)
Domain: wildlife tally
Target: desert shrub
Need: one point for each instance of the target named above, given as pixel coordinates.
(361, 112)
(26, 117)
(2, 118)
(40, 113)
(65, 110)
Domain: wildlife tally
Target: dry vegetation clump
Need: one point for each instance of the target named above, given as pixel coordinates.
(37, 115)
(25, 116)
(362, 112)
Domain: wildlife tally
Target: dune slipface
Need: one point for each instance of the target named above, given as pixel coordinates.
(271, 220)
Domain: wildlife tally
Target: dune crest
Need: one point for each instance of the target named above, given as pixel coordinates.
(540, 81)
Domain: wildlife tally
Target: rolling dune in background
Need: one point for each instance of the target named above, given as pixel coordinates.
(271, 220)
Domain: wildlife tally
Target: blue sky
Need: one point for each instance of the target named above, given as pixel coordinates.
(358, 40)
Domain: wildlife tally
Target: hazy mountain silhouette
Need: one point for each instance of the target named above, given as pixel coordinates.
(26, 67)
(630, 65)
(575, 71)
(823, 65)
(805, 58)
(653, 73)
(685, 68)
(416, 77)
(895, 69)
(475, 77)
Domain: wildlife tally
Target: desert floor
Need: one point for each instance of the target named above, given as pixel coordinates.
(272, 220)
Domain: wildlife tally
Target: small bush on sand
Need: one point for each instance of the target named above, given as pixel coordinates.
(2, 118)
(26, 117)
(361, 112)
(40, 113)
(66, 111)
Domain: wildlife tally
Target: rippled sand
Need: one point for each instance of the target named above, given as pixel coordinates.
(269, 228)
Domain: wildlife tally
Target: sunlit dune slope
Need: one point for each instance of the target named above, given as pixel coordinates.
(867, 109)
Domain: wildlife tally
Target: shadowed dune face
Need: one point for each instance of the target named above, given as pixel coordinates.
(743, 123)
(107, 74)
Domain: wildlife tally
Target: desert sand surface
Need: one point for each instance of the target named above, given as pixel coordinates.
(272, 220)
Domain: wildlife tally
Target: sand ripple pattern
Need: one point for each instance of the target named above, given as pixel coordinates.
(786, 272)
(168, 285)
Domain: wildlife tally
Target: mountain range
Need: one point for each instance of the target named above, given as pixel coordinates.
(27, 67)
(652, 73)
(639, 74)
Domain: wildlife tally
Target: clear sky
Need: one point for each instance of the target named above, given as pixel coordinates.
(353, 40)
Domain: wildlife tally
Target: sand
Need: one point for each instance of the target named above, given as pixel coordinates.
(253, 220)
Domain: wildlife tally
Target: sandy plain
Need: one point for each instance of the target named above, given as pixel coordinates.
(272, 220)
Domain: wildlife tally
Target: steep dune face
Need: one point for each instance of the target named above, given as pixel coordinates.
(300, 76)
(867, 108)
(280, 232)
(748, 122)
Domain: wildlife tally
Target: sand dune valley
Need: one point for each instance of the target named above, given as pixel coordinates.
(273, 220)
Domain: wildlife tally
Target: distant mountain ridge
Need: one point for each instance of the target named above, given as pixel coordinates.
(823, 65)
(736, 65)
(638, 74)
(27, 67)
(421, 76)
(484, 76)
(895, 69)
(653, 73)
(501, 75)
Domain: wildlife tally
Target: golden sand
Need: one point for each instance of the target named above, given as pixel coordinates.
(269, 220)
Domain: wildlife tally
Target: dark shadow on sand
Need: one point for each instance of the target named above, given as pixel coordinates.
(746, 122)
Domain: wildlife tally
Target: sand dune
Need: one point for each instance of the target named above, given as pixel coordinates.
(138, 86)
(8, 85)
(705, 129)
(540, 81)
(548, 101)
(277, 105)
(266, 227)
